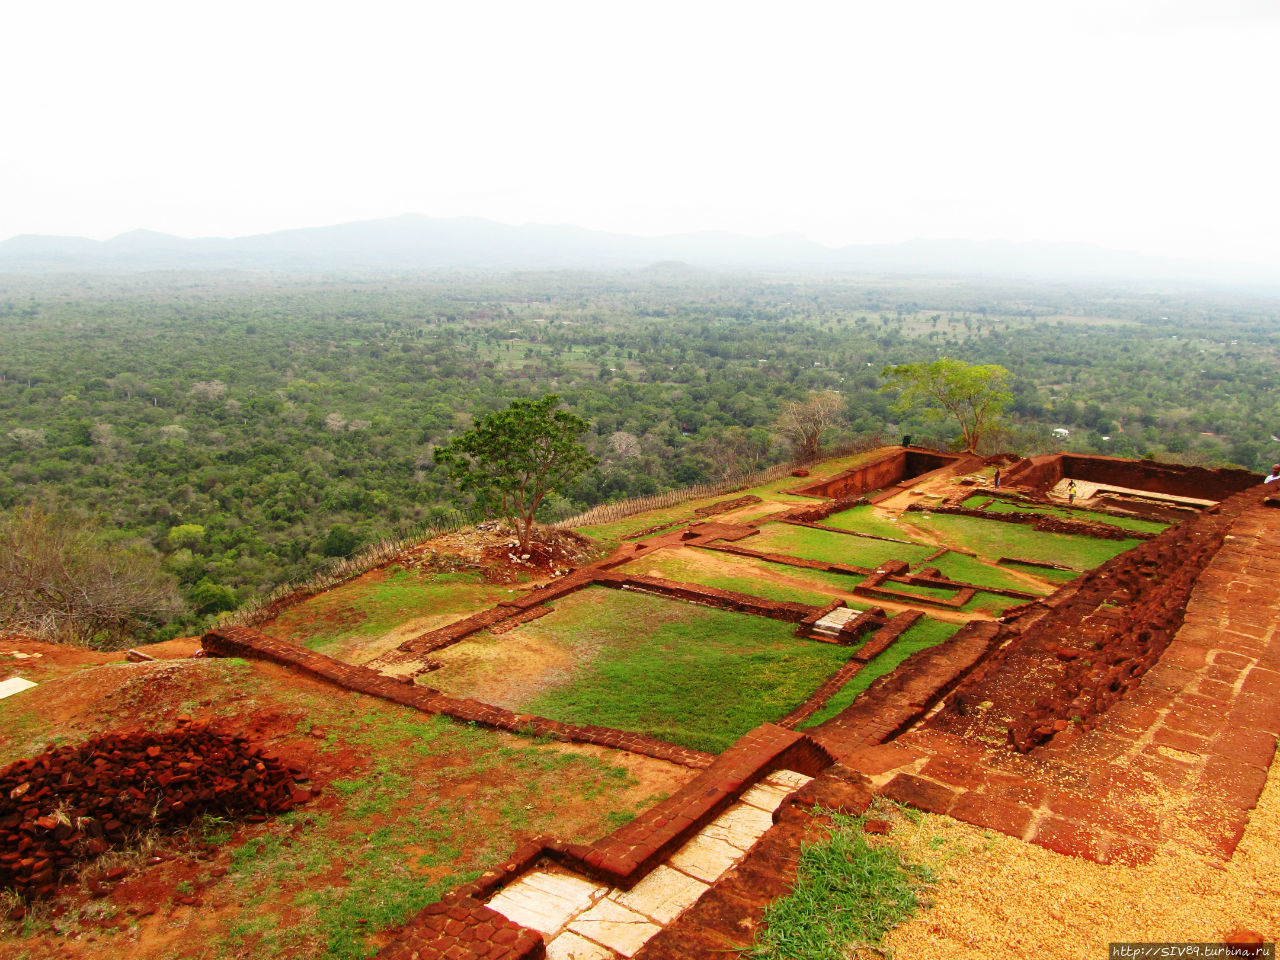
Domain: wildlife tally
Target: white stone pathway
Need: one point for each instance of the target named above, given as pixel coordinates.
(584, 920)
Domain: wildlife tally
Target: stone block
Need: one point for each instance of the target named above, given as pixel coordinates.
(662, 895)
(705, 858)
(615, 926)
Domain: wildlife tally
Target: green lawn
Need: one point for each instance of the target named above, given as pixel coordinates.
(346, 622)
(925, 633)
(1082, 516)
(786, 538)
(864, 520)
(686, 567)
(994, 539)
(686, 674)
(966, 569)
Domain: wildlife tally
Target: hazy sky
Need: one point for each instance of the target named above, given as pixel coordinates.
(1150, 126)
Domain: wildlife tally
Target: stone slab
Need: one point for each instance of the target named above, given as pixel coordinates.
(741, 825)
(662, 895)
(786, 778)
(545, 901)
(766, 796)
(14, 685)
(570, 946)
(616, 927)
(705, 858)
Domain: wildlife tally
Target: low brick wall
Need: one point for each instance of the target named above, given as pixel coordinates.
(904, 464)
(817, 512)
(242, 642)
(879, 642)
(897, 700)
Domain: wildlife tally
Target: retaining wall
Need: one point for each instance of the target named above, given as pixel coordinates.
(1042, 473)
(906, 464)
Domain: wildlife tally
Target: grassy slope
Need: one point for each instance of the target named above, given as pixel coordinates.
(687, 568)
(830, 547)
(994, 539)
(686, 674)
(347, 621)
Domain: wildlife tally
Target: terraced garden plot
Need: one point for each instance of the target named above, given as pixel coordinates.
(994, 539)
(966, 569)
(759, 578)
(868, 519)
(683, 673)
(988, 603)
(925, 633)
(811, 544)
(1081, 516)
(374, 613)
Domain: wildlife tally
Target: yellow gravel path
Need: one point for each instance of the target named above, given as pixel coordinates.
(999, 897)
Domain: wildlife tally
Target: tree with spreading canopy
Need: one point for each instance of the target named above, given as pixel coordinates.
(512, 459)
(974, 396)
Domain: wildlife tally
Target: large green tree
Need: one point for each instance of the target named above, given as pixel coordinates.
(510, 460)
(974, 396)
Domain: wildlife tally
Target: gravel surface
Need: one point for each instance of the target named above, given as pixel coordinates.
(999, 897)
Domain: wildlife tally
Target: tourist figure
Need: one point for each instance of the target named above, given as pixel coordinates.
(1071, 492)
(997, 478)
(1273, 475)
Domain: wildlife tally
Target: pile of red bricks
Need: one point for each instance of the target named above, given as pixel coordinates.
(71, 804)
(813, 513)
(724, 506)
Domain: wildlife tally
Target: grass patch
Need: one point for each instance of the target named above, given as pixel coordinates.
(687, 674)
(847, 893)
(1080, 516)
(686, 567)
(994, 539)
(863, 519)
(786, 538)
(1045, 573)
(966, 569)
(341, 623)
(925, 633)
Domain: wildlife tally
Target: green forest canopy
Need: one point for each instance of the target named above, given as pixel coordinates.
(235, 422)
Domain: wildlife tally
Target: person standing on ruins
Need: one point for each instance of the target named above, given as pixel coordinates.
(1071, 492)
(1273, 475)
(997, 478)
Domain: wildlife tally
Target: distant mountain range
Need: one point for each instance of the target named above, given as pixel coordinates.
(420, 243)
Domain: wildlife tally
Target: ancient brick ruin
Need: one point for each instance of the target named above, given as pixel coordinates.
(1061, 720)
